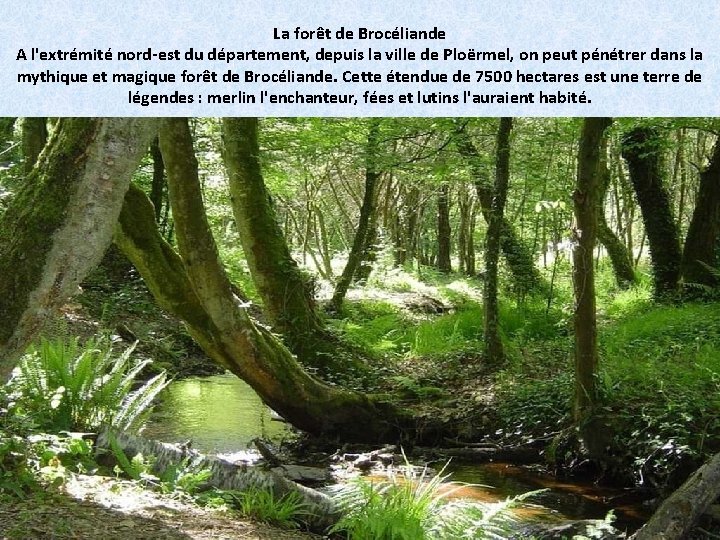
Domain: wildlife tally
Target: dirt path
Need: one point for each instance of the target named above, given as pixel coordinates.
(94, 507)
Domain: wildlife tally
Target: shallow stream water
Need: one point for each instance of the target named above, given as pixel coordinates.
(222, 414)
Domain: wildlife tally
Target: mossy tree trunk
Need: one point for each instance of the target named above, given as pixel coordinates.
(195, 288)
(34, 137)
(619, 255)
(159, 184)
(367, 208)
(60, 222)
(444, 231)
(585, 199)
(641, 150)
(518, 256)
(701, 244)
(287, 294)
(494, 352)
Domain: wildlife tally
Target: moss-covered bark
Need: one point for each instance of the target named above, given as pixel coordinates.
(367, 209)
(617, 251)
(642, 152)
(701, 244)
(518, 256)
(196, 289)
(585, 198)
(60, 222)
(286, 292)
(34, 137)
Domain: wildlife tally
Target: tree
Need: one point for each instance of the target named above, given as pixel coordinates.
(34, 137)
(641, 148)
(493, 341)
(60, 222)
(584, 234)
(195, 288)
(287, 293)
(620, 257)
(701, 244)
(518, 256)
(443, 229)
(372, 175)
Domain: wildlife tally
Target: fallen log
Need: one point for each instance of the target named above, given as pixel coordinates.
(322, 512)
(679, 512)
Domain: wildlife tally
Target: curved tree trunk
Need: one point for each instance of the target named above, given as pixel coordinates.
(34, 137)
(372, 175)
(517, 255)
(196, 289)
(494, 352)
(618, 253)
(287, 294)
(60, 222)
(157, 189)
(701, 243)
(586, 209)
(641, 150)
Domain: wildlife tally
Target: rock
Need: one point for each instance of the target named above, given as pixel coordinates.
(584, 528)
(303, 474)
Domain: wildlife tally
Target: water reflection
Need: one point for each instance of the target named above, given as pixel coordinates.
(219, 414)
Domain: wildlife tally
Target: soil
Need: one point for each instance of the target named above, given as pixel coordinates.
(97, 507)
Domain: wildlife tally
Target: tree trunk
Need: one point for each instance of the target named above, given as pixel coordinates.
(618, 253)
(586, 207)
(372, 174)
(34, 137)
(286, 292)
(443, 229)
(60, 222)
(322, 510)
(518, 256)
(641, 150)
(157, 189)
(701, 244)
(196, 289)
(493, 342)
(679, 512)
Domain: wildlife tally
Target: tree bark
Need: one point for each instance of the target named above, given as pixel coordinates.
(157, 189)
(679, 512)
(34, 137)
(640, 148)
(196, 289)
(586, 208)
(618, 253)
(322, 510)
(60, 222)
(286, 292)
(494, 352)
(701, 243)
(372, 175)
(517, 255)
(443, 229)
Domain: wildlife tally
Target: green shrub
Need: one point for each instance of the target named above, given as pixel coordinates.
(260, 504)
(64, 386)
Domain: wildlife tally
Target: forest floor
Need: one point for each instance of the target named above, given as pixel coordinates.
(98, 507)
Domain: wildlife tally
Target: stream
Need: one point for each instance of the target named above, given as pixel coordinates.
(222, 414)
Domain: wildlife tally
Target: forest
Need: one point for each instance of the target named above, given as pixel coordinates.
(448, 328)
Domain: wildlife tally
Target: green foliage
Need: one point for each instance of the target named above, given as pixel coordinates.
(64, 386)
(260, 504)
(416, 508)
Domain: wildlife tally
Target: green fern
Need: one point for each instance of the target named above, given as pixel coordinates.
(68, 387)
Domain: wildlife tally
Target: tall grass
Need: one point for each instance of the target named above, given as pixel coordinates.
(66, 386)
